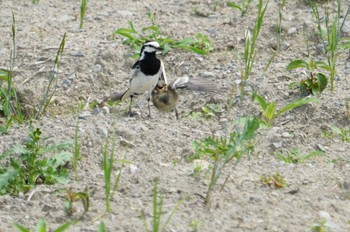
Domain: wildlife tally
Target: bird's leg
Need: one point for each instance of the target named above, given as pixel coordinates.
(176, 113)
(129, 113)
(149, 108)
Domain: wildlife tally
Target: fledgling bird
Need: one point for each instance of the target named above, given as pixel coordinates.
(145, 74)
(165, 97)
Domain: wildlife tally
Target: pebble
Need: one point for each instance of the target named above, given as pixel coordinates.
(292, 30)
(126, 143)
(208, 74)
(77, 53)
(97, 68)
(341, 149)
(277, 145)
(285, 135)
(103, 132)
(133, 169)
(66, 83)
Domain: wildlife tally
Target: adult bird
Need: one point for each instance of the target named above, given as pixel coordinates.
(165, 97)
(145, 74)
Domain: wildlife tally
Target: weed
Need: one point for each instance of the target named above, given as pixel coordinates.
(200, 44)
(250, 41)
(331, 36)
(102, 227)
(342, 132)
(320, 225)
(107, 170)
(82, 13)
(223, 150)
(75, 196)
(28, 166)
(294, 156)
(35, 1)
(315, 82)
(44, 103)
(194, 224)
(242, 7)
(269, 113)
(77, 145)
(41, 227)
(158, 211)
(207, 112)
(275, 180)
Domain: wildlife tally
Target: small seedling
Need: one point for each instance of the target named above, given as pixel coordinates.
(274, 181)
(82, 13)
(49, 92)
(208, 111)
(315, 82)
(102, 227)
(29, 164)
(223, 150)
(250, 41)
(200, 44)
(269, 113)
(320, 225)
(76, 196)
(41, 227)
(158, 211)
(294, 156)
(107, 170)
(194, 224)
(342, 132)
(242, 7)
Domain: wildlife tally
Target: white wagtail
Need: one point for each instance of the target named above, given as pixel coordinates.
(145, 74)
(165, 97)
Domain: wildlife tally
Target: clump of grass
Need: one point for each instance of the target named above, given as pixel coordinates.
(107, 170)
(28, 165)
(49, 92)
(275, 181)
(321, 225)
(224, 150)
(295, 156)
(201, 44)
(158, 211)
(250, 42)
(41, 227)
(82, 13)
(242, 7)
(10, 106)
(269, 113)
(208, 111)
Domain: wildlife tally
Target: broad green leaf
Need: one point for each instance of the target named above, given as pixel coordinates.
(41, 226)
(63, 227)
(7, 176)
(20, 228)
(323, 65)
(270, 111)
(322, 81)
(297, 64)
(102, 227)
(251, 128)
(233, 5)
(3, 75)
(296, 104)
(263, 104)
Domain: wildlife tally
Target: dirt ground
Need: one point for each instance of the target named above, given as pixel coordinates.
(96, 64)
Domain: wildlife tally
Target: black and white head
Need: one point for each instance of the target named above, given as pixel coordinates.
(149, 47)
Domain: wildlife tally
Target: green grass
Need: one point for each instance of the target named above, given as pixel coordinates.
(33, 163)
(201, 44)
(269, 112)
(107, 170)
(223, 150)
(274, 181)
(42, 227)
(295, 156)
(250, 42)
(82, 13)
(158, 211)
(51, 89)
(242, 7)
(72, 197)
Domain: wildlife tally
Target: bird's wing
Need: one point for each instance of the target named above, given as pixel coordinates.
(194, 84)
(136, 68)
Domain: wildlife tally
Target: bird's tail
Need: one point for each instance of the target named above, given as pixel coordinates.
(194, 84)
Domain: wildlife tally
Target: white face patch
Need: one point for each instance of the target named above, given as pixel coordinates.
(152, 43)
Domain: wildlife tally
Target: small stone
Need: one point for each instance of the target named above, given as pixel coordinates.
(103, 132)
(84, 115)
(277, 145)
(97, 68)
(324, 215)
(285, 135)
(66, 83)
(292, 30)
(126, 143)
(77, 54)
(208, 74)
(341, 149)
(133, 169)
(320, 147)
